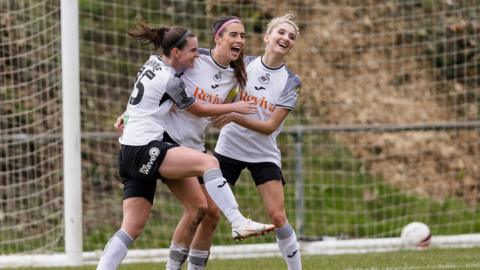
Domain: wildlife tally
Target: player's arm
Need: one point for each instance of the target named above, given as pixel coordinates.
(285, 104)
(207, 109)
(265, 127)
(176, 91)
(119, 124)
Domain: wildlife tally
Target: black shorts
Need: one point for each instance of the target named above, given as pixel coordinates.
(167, 138)
(138, 168)
(261, 172)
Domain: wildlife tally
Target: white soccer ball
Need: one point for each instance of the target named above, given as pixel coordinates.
(416, 234)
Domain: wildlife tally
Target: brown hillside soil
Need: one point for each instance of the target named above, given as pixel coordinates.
(357, 74)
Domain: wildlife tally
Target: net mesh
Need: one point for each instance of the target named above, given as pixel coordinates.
(31, 187)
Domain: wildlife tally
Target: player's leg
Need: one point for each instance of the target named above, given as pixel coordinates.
(181, 162)
(193, 199)
(231, 169)
(269, 180)
(135, 215)
(200, 247)
(273, 197)
(139, 184)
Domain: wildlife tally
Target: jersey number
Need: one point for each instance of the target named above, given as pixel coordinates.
(137, 94)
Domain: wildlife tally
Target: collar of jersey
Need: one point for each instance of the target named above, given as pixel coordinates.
(178, 73)
(270, 68)
(221, 66)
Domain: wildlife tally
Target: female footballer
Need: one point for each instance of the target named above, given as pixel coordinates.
(144, 156)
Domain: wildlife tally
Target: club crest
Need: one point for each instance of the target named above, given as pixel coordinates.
(218, 76)
(264, 79)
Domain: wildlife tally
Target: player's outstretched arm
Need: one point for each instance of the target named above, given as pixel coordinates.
(264, 127)
(202, 110)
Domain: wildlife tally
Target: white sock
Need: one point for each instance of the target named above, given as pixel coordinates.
(115, 251)
(197, 259)
(177, 256)
(288, 245)
(221, 193)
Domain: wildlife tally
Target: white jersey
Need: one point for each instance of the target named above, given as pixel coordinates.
(157, 87)
(208, 82)
(268, 88)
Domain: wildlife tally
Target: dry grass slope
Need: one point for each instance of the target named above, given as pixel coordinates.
(361, 71)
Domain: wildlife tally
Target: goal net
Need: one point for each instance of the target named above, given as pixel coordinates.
(31, 202)
(386, 130)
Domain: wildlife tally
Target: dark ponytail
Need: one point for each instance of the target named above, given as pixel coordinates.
(240, 72)
(164, 37)
(237, 65)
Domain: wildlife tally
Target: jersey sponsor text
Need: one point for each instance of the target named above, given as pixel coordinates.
(205, 96)
(154, 152)
(262, 102)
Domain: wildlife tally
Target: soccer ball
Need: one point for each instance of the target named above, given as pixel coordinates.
(416, 234)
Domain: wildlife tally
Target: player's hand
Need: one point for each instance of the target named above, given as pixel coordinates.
(222, 120)
(119, 124)
(245, 107)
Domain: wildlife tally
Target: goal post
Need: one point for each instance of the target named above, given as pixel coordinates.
(72, 176)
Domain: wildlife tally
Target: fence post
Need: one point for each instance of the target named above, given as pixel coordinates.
(299, 181)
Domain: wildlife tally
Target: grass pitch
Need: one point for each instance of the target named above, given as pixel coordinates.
(458, 259)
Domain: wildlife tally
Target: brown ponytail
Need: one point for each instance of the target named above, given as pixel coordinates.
(238, 65)
(164, 37)
(240, 72)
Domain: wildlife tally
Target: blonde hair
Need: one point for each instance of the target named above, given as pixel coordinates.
(287, 18)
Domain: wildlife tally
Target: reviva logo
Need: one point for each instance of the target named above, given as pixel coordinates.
(262, 102)
(205, 96)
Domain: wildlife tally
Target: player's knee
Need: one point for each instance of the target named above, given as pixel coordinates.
(200, 214)
(209, 162)
(134, 229)
(212, 216)
(197, 213)
(278, 218)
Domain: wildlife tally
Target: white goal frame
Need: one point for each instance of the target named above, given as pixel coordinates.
(72, 179)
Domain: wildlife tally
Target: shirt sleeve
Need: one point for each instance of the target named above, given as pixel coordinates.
(177, 92)
(288, 97)
(203, 51)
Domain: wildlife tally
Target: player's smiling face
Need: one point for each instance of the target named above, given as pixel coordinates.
(186, 56)
(281, 39)
(231, 42)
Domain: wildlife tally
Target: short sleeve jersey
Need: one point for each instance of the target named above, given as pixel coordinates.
(157, 87)
(208, 82)
(268, 88)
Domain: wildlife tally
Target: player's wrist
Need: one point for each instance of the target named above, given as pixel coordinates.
(236, 107)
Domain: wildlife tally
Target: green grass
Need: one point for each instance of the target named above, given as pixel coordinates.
(458, 259)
